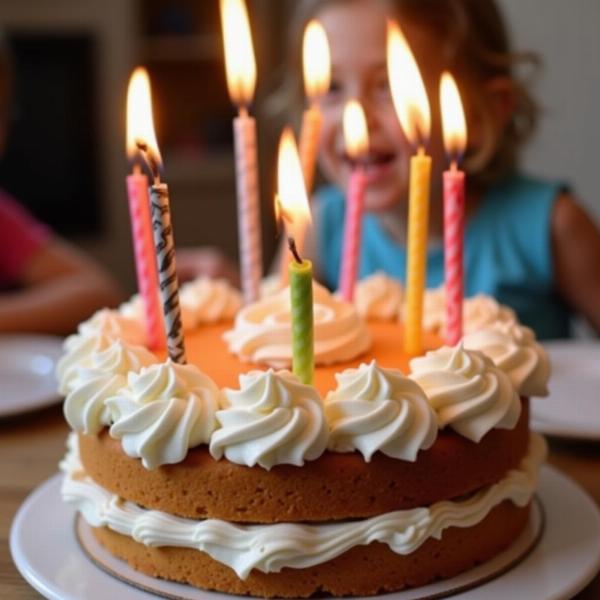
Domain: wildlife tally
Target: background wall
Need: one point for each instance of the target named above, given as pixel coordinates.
(565, 34)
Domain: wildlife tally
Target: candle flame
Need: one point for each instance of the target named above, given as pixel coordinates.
(356, 134)
(291, 203)
(453, 118)
(408, 89)
(240, 64)
(316, 60)
(140, 124)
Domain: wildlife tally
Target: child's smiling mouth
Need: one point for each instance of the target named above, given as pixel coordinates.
(376, 164)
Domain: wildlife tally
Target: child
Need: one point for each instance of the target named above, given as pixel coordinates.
(527, 242)
(46, 285)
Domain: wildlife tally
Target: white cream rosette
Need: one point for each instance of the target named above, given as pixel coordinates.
(209, 300)
(273, 419)
(84, 406)
(514, 350)
(262, 332)
(203, 300)
(378, 297)
(467, 391)
(479, 312)
(93, 336)
(163, 411)
(375, 409)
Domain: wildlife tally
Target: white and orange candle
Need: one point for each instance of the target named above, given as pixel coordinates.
(412, 107)
(316, 63)
(240, 67)
(455, 140)
(357, 145)
(138, 117)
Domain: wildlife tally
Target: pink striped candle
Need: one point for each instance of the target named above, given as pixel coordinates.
(357, 144)
(139, 119)
(455, 140)
(145, 259)
(454, 227)
(352, 233)
(240, 68)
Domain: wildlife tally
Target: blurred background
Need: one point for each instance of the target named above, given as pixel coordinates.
(65, 157)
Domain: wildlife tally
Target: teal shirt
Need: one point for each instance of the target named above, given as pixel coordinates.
(507, 251)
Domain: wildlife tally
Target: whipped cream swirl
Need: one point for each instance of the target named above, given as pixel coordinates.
(273, 419)
(163, 411)
(478, 311)
(95, 335)
(467, 391)
(106, 374)
(378, 297)
(514, 350)
(375, 409)
(262, 331)
(270, 548)
(203, 300)
(209, 300)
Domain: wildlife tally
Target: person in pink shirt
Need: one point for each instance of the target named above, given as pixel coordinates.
(46, 284)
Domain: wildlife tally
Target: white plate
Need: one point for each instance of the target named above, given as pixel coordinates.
(46, 552)
(573, 407)
(27, 380)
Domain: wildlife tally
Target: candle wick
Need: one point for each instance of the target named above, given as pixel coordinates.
(150, 159)
(453, 165)
(243, 111)
(137, 170)
(421, 150)
(294, 250)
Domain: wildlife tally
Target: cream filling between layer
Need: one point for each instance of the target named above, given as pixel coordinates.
(270, 548)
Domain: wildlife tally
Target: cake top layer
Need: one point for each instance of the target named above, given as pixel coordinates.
(160, 410)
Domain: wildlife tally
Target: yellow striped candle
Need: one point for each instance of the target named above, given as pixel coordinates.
(412, 107)
(416, 271)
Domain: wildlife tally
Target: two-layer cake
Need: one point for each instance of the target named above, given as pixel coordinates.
(231, 475)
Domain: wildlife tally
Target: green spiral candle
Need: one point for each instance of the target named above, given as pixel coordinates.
(301, 294)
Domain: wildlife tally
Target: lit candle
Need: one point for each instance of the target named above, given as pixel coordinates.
(316, 65)
(164, 243)
(292, 208)
(357, 145)
(138, 109)
(412, 108)
(241, 80)
(455, 140)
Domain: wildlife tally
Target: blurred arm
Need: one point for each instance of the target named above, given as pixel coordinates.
(61, 288)
(576, 253)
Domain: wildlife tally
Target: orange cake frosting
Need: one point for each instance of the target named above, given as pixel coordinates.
(230, 474)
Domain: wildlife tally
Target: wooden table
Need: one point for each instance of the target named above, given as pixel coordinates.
(31, 446)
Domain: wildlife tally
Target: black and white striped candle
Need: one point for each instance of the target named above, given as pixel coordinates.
(164, 243)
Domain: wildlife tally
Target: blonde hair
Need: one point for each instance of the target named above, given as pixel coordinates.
(476, 48)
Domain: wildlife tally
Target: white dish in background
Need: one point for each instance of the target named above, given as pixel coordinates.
(46, 552)
(27, 365)
(573, 407)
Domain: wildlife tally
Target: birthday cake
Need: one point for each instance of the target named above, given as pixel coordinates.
(229, 474)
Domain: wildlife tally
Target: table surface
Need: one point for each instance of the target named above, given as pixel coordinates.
(31, 446)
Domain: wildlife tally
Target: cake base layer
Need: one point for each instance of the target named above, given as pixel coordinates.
(362, 571)
(333, 487)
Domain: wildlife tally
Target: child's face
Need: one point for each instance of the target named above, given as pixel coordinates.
(357, 37)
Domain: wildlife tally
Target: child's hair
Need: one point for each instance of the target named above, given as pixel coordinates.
(474, 45)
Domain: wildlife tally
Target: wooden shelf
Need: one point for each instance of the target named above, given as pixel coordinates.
(169, 48)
